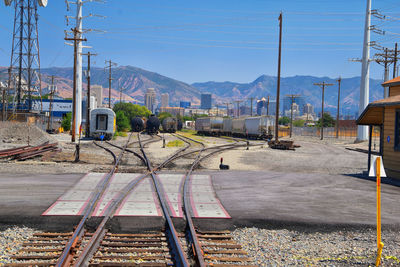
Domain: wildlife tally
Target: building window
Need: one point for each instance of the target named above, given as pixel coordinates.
(101, 122)
(397, 131)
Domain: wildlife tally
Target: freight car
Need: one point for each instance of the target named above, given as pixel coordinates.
(259, 127)
(209, 126)
(169, 125)
(137, 124)
(152, 125)
(102, 123)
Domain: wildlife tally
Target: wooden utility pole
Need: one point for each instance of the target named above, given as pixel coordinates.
(395, 61)
(88, 93)
(322, 85)
(338, 108)
(268, 106)
(238, 107)
(76, 40)
(278, 87)
(251, 106)
(110, 64)
(293, 97)
(51, 103)
(3, 113)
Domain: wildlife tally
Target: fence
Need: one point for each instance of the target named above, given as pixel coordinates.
(329, 132)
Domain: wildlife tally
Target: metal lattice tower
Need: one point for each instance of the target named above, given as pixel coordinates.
(25, 63)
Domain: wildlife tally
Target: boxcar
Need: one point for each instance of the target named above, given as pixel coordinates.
(258, 127)
(227, 126)
(238, 127)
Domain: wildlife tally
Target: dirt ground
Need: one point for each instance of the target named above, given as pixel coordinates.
(329, 156)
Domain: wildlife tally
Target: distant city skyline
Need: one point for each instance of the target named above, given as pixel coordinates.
(215, 40)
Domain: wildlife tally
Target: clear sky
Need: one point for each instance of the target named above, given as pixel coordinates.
(215, 40)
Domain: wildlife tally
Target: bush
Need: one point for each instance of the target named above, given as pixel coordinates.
(299, 123)
(329, 121)
(122, 121)
(131, 111)
(66, 122)
(284, 121)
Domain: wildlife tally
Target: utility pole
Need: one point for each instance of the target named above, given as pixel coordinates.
(322, 85)
(3, 113)
(227, 108)
(338, 108)
(395, 61)
(364, 87)
(268, 106)
(51, 103)
(251, 106)
(110, 64)
(291, 112)
(238, 107)
(76, 39)
(279, 81)
(88, 54)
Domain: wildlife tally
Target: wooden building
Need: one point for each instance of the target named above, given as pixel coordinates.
(385, 113)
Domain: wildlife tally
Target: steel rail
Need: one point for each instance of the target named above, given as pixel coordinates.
(128, 150)
(160, 193)
(91, 247)
(66, 256)
(108, 150)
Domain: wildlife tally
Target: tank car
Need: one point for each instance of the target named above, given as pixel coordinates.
(152, 125)
(179, 125)
(169, 125)
(102, 123)
(137, 124)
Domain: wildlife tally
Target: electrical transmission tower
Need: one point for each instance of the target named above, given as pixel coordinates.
(25, 63)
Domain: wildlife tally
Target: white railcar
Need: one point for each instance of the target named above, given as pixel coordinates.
(102, 123)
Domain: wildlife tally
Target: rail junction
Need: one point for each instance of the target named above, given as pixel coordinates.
(98, 246)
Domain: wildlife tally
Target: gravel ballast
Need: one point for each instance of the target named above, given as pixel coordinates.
(317, 248)
(11, 240)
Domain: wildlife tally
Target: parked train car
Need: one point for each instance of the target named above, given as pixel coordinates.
(137, 124)
(259, 127)
(169, 125)
(102, 123)
(180, 125)
(227, 126)
(238, 127)
(209, 125)
(152, 125)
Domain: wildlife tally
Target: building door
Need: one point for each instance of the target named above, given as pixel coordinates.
(101, 122)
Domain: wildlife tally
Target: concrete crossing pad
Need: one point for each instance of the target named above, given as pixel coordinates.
(143, 200)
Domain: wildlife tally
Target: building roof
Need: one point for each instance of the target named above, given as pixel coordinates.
(392, 82)
(373, 113)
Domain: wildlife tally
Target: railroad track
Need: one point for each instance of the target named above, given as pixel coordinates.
(168, 248)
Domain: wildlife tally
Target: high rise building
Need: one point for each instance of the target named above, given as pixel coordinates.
(165, 100)
(150, 99)
(264, 108)
(287, 102)
(97, 92)
(308, 109)
(205, 101)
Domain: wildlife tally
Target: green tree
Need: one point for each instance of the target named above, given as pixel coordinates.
(66, 122)
(122, 122)
(284, 121)
(329, 121)
(131, 110)
(164, 115)
(299, 123)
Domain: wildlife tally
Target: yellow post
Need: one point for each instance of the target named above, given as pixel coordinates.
(378, 212)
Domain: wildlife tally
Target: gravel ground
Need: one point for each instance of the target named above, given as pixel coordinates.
(317, 248)
(11, 240)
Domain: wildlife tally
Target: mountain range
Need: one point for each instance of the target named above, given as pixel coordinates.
(135, 82)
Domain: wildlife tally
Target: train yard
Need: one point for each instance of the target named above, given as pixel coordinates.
(289, 223)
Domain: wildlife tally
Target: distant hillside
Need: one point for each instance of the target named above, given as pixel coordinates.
(303, 85)
(136, 81)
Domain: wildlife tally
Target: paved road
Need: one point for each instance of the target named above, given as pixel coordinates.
(265, 199)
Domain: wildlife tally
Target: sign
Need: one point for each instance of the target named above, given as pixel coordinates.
(372, 170)
(388, 139)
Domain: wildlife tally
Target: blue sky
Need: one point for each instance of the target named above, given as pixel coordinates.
(218, 40)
